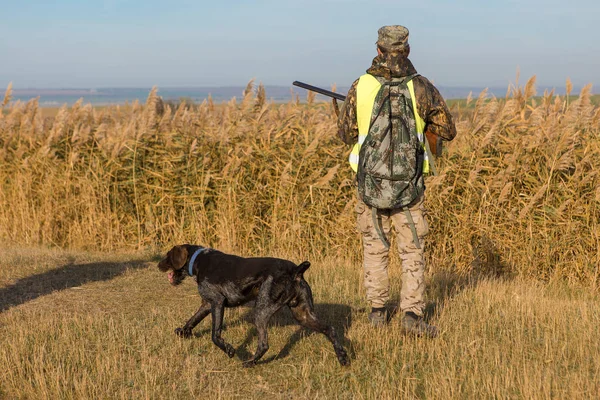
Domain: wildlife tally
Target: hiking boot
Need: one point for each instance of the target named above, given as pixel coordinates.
(378, 318)
(414, 325)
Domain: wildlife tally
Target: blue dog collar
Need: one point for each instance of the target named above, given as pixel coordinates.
(191, 264)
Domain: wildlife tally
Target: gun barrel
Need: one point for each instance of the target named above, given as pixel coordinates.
(319, 90)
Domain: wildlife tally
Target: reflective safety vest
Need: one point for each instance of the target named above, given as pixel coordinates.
(366, 91)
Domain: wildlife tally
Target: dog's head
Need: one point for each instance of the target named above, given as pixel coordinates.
(174, 264)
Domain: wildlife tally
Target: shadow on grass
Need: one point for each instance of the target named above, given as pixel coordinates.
(337, 315)
(487, 264)
(65, 277)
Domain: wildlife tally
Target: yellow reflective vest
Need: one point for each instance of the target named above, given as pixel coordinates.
(366, 90)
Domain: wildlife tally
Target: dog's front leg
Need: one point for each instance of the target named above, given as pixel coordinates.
(202, 312)
(263, 311)
(217, 311)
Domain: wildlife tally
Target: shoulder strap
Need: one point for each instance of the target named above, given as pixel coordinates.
(399, 81)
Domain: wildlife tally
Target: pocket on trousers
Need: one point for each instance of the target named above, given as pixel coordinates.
(421, 224)
(360, 208)
(362, 219)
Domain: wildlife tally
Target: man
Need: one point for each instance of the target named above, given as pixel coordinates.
(432, 115)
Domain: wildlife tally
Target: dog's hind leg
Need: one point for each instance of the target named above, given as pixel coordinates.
(217, 310)
(261, 321)
(202, 312)
(304, 313)
(264, 309)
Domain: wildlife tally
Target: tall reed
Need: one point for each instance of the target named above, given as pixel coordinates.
(518, 191)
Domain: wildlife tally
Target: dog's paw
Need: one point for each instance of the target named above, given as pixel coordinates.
(183, 333)
(229, 350)
(248, 363)
(344, 361)
(343, 358)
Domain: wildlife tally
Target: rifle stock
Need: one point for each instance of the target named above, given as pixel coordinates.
(436, 145)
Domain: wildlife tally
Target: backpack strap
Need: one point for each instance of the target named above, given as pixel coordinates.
(396, 81)
(413, 228)
(379, 228)
(430, 159)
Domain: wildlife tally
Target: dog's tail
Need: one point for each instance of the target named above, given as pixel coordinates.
(301, 268)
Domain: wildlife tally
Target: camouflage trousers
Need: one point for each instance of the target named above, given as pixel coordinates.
(376, 256)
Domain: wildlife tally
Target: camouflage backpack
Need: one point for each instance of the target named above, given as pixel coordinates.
(390, 171)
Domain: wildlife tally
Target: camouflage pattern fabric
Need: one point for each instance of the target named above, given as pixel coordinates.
(376, 256)
(393, 38)
(430, 103)
(390, 172)
(393, 62)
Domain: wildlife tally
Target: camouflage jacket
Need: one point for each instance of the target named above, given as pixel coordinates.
(430, 104)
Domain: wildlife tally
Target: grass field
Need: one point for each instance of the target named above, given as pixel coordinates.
(97, 325)
(90, 198)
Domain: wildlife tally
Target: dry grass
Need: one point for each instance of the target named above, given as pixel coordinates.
(513, 260)
(86, 325)
(518, 192)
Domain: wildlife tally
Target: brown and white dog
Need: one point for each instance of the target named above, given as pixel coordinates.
(226, 280)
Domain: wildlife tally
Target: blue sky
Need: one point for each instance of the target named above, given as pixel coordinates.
(126, 43)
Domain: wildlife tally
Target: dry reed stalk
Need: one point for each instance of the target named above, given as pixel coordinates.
(538, 195)
(264, 179)
(529, 90)
(568, 89)
(7, 96)
(260, 98)
(310, 97)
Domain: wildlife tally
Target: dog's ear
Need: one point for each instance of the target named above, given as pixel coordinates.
(176, 258)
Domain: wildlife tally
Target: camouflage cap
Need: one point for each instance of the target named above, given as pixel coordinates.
(392, 38)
